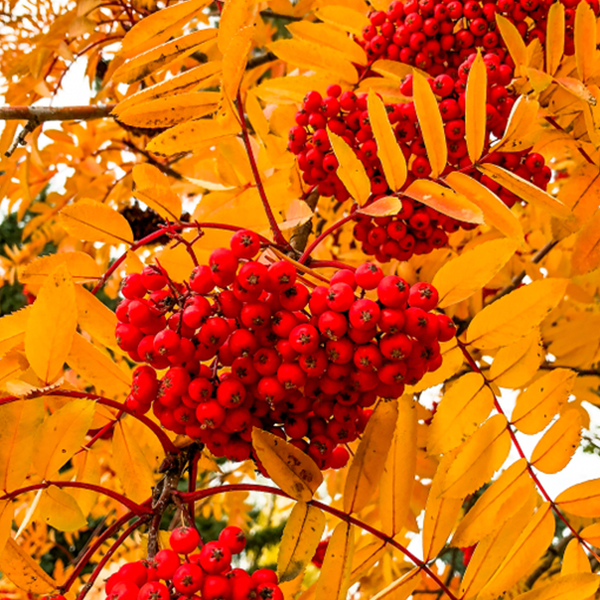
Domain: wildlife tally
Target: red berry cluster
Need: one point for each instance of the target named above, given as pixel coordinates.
(248, 344)
(203, 574)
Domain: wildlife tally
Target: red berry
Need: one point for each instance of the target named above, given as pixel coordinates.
(215, 557)
(184, 540)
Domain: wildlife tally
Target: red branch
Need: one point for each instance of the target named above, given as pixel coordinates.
(137, 509)
(277, 235)
(250, 487)
(166, 443)
(519, 449)
(306, 254)
(108, 555)
(89, 553)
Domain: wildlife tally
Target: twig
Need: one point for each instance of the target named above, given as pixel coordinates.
(277, 235)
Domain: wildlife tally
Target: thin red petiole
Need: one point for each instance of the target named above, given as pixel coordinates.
(306, 254)
(521, 453)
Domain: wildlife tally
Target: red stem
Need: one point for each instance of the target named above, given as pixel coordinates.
(318, 240)
(193, 475)
(166, 443)
(277, 235)
(89, 553)
(137, 509)
(519, 449)
(108, 555)
(334, 264)
(250, 487)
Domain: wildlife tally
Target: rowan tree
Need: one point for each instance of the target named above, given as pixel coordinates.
(285, 303)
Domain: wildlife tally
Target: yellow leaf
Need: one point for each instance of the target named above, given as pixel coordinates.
(6, 518)
(63, 434)
(577, 88)
(452, 361)
(152, 187)
(529, 547)
(478, 458)
(88, 469)
(557, 446)
(586, 250)
(23, 571)
(365, 557)
(130, 464)
(585, 41)
(490, 551)
(330, 37)
(591, 534)
(51, 325)
(309, 55)
(19, 429)
(301, 536)
(169, 111)
(400, 468)
(82, 268)
(95, 222)
(582, 499)
(514, 365)
(11, 366)
(555, 37)
(60, 510)
(431, 124)
(191, 136)
(521, 120)
(475, 113)
(97, 368)
(158, 27)
(161, 55)
(440, 512)
(187, 81)
(391, 69)
(12, 329)
(464, 407)
(235, 16)
(351, 171)
(537, 405)
(402, 588)
(444, 200)
(516, 314)
(525, 190)
(575, 559)
(566, 587)
(335, 573)
(235, 60)
(369, 459)
(290, 468)
(95, 317)
(384, 207)
(495, 212)
(343, 17)
(501, 501)
(513, 40)
(388, 150)
(462, 276)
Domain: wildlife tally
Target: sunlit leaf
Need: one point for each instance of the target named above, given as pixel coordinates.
(585, 40)
(582, 499)
(537, 405)
(369, 459)
(388, 150)
(301, 536)
(82, 268)
(351, 171)
(152, 187)
(60, 510)
(51, 325)
(555, 36)
(475, 110)
(335, 573)
(513, 40)
(290, 468)
(516, 314)
(96, 222)
(23, 571)
(431, 124)
(471, 271)
(514, 365)
(384, 207)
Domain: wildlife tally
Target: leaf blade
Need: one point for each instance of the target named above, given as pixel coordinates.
(475, 111)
